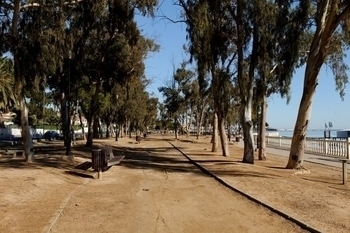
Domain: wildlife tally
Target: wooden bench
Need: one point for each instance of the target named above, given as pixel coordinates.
(82, 169)
(112, 159)
(344, 169)
(11, 151)
(102, 159)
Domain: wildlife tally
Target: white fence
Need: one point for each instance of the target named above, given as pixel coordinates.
(339, 148)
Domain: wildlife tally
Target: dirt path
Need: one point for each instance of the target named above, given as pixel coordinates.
(155, 189)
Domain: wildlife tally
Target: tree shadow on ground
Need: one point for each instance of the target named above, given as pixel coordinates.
(46, 155)
(39, 163)
(162, 158)
(148, 158)
(275, 167)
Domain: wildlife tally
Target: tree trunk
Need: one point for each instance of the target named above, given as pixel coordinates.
(95, 132)
(117, 129)
(296, 154)
(223, 137)
(199, 122)
(329, 20)
(262, 129)
(66, 123)
(190, 123)
(107, 129)
(121, 131)
(72, 127)
(82, 125)
(129, 129)
(186, 124)
(26, 137)
(246, 82)
(89, 135)
(100, 128)
(247, 125)
(214, 139)
(92, 113)
(176, 128)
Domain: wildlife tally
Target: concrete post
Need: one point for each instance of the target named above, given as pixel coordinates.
(325, 146)
(348, 148)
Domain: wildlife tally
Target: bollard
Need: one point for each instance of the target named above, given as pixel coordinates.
(345, 170)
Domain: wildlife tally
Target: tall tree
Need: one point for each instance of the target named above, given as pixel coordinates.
(208, 28)
(174, 102)
(277, 53)
(108, 46)
(331, 37)
(249, 39)
(29, 44)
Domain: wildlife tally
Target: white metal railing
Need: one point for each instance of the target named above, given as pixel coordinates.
(339, 148)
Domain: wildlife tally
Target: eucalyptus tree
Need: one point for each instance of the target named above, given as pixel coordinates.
(187, 90)
(278, 29)
(198, 98)
(28, 31)
(105, 114)
(230, 32)
(136, 105)
(110, 113)
(108, 45)
(223, 92)
(185, 78)
(233, 113)
(150, 116)
(254, 45)
(37, 104)
(331, 38)
(208, 30)
(164, 118)
(174, 101)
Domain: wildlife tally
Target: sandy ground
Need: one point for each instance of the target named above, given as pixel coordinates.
(156, 189)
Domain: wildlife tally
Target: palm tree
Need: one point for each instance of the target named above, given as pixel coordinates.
(7, 94)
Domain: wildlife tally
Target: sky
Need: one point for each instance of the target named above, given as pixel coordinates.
(327, 104)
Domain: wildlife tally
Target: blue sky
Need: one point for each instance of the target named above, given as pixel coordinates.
(327, 104)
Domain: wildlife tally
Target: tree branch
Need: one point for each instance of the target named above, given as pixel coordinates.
(343, 14)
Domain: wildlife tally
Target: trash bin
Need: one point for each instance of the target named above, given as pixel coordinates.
(237, 139)
(99, 161)
(138, 138)
(144, 135)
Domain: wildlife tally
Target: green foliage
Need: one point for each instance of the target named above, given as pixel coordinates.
(175, 102)
(7, 96)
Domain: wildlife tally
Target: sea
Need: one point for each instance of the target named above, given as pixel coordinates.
(313, 133)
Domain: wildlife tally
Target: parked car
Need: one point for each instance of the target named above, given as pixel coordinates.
(51, 135)
(37, 137)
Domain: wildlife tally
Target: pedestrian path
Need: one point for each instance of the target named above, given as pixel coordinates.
(275, 188)
(314, 158)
